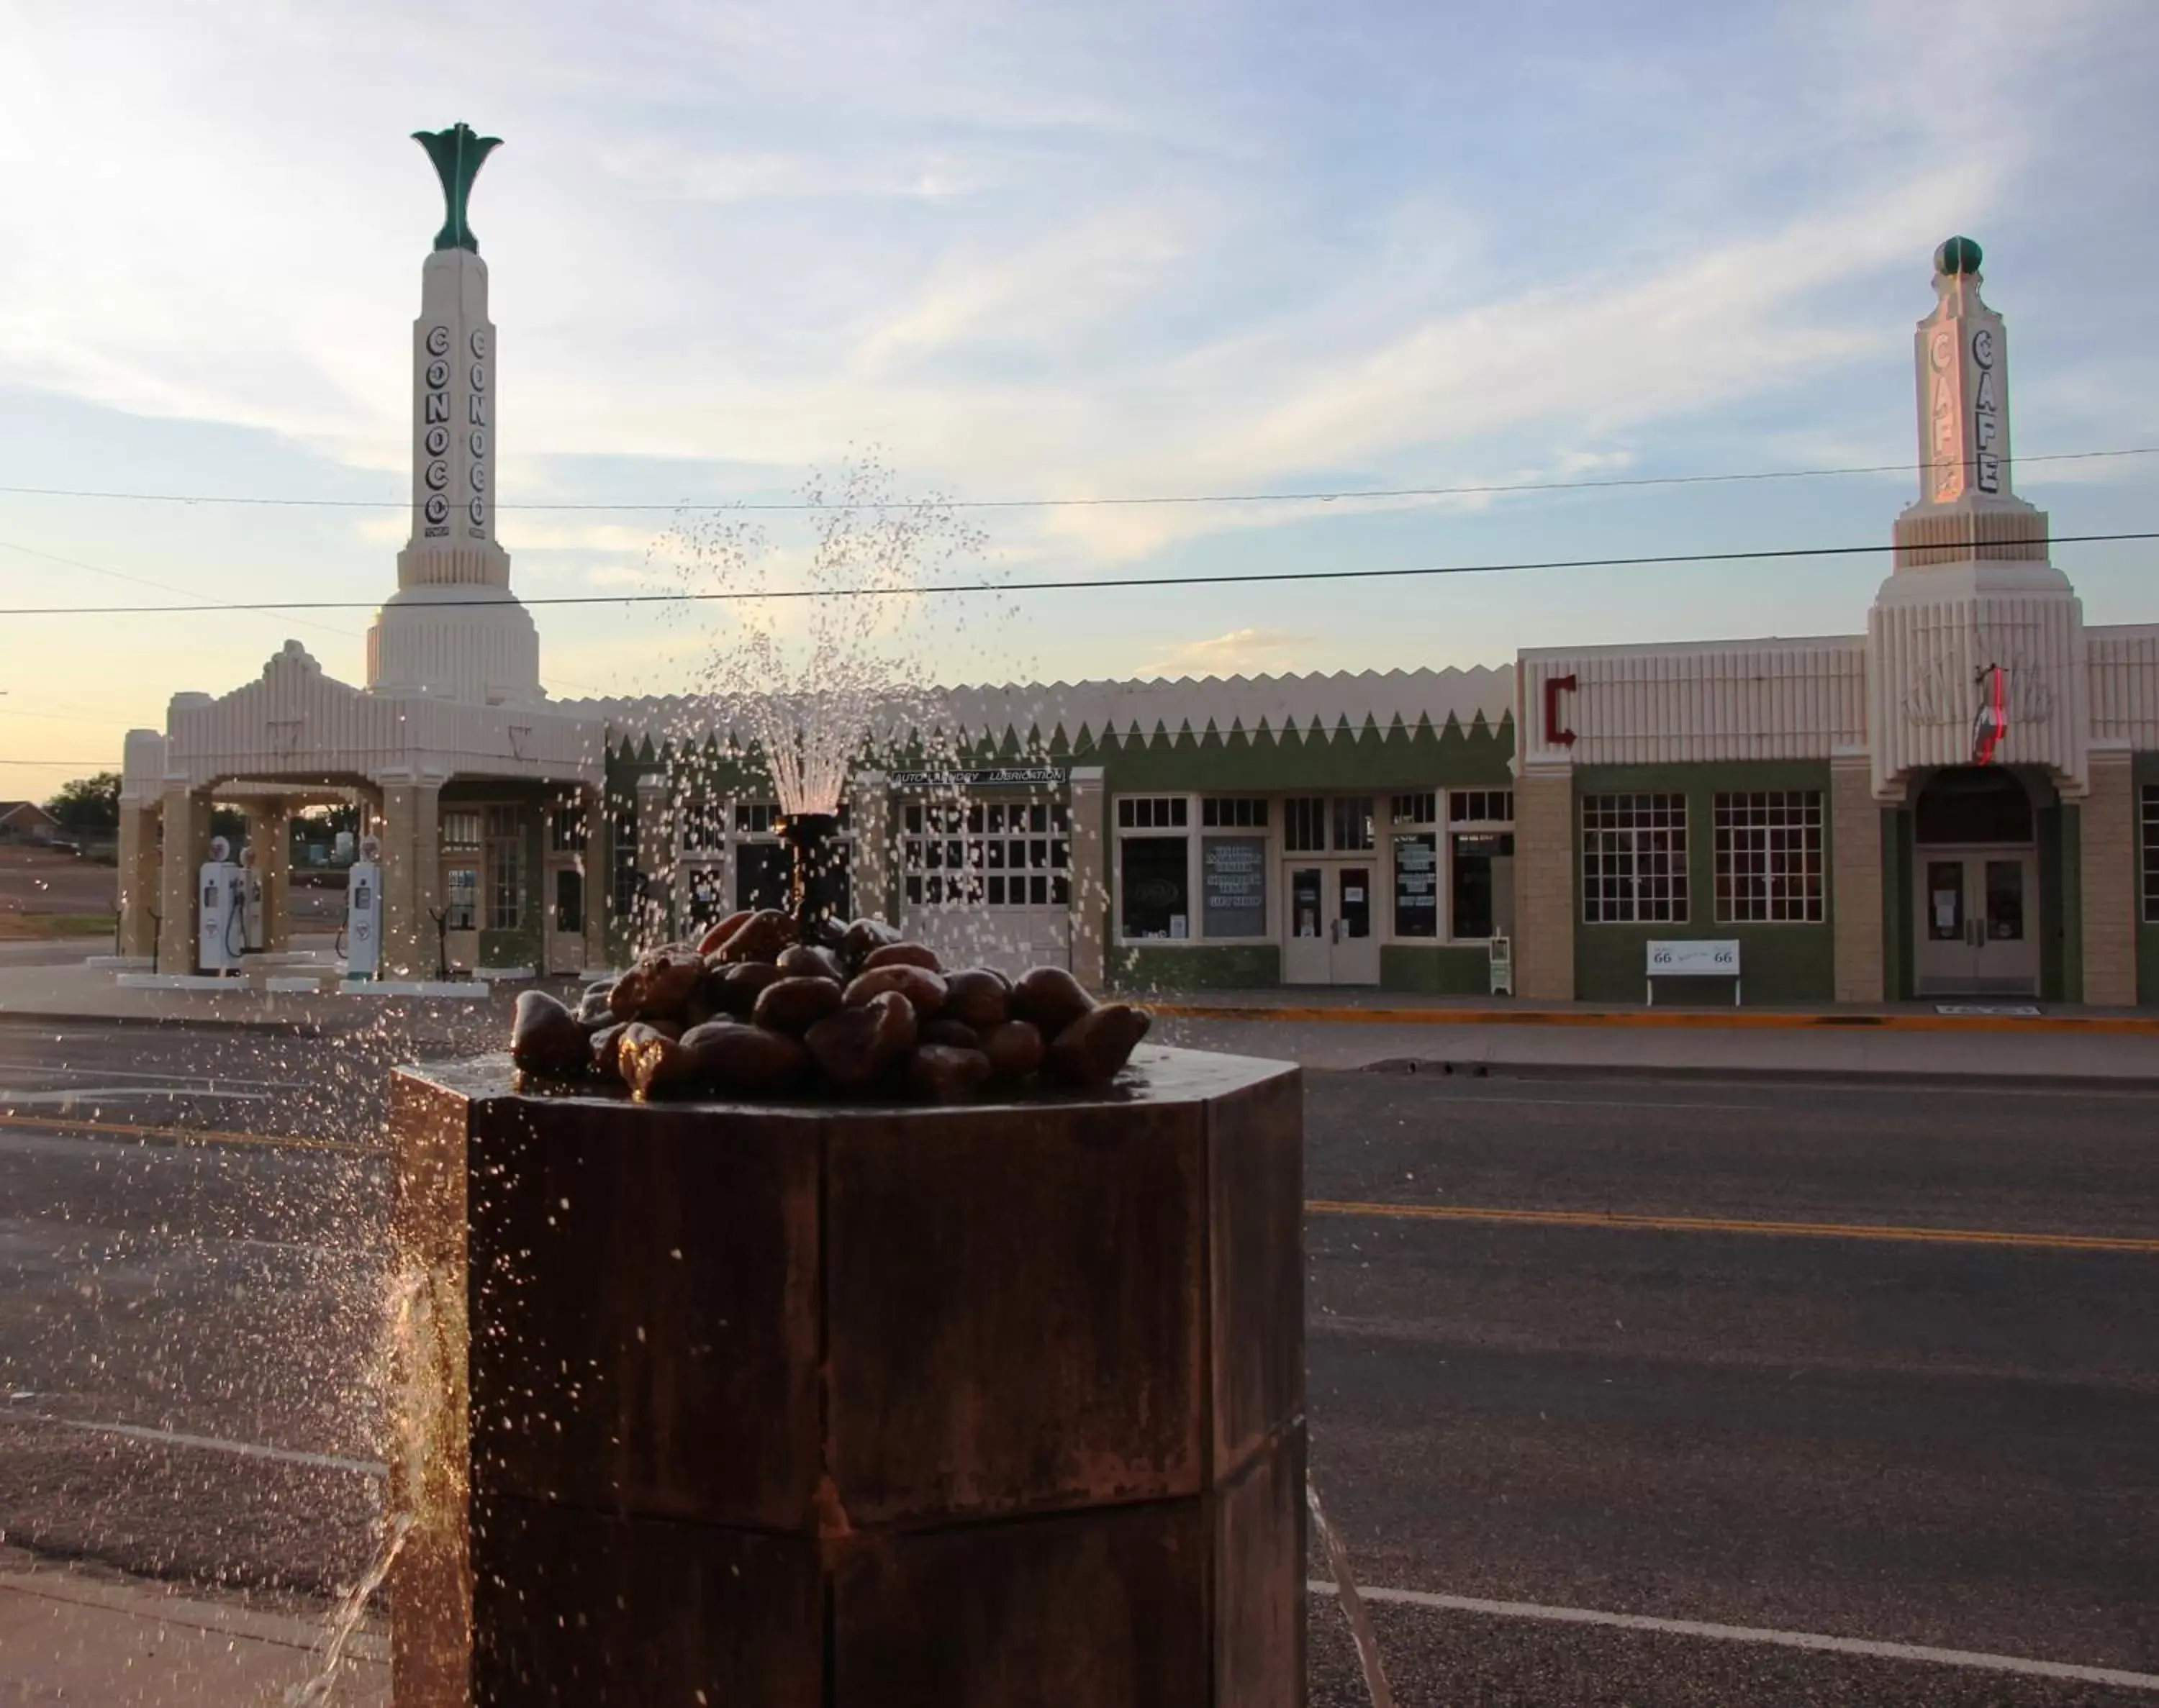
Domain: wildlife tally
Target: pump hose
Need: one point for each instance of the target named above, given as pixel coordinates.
(236, 915)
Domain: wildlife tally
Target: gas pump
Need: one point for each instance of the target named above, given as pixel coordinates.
(251, 866)
(221, 927)
(363, 913)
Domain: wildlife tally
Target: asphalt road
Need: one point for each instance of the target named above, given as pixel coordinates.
(1857, 1433)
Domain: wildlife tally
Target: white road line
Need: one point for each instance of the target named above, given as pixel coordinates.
(215, 1444)
(111, 1094)
(1752, 1634)
(184, 1081)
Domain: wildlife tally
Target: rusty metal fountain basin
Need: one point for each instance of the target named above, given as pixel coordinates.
(826, 1404)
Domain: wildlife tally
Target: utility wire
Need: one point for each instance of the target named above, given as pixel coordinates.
(203, 600)
(1345, 495)
(1048, 587)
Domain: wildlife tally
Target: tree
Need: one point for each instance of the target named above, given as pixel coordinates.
(89, 806)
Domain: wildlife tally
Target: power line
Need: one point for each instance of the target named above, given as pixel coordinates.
(1045, 587)
(204, 601)
(1344, 495)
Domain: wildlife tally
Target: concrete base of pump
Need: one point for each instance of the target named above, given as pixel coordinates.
(850, 1404)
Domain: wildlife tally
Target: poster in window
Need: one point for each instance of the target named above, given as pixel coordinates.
(1416, 886)
(1234, 886)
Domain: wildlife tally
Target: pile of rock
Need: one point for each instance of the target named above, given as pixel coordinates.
(750, 1012)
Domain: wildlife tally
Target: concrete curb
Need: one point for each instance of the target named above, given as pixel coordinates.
(1720, 1020)
(1855, 1079)
(288, 1028)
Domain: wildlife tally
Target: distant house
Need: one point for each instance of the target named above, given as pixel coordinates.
(26, 821)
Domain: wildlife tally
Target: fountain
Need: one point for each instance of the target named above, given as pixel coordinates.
(810, 1323)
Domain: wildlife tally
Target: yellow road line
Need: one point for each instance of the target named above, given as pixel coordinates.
(182, 1135)
(1724, 1224)
(1720, 1019)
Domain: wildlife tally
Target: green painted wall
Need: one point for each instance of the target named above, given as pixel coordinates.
(2073, 904)
(1436, 969)
(1399, 758)
(1778, 963)
(1457, 757)
(2059, 893)
(1897, 950)
(1201, 967)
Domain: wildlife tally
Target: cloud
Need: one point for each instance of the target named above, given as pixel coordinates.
(1095, 251)
(1241, 652)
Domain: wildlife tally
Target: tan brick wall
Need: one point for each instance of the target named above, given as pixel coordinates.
(1544, 900)
(187, 846)
(138, 878)
(2110, 882)
(1090, 877)
(1855, 822)
(411, 837)
(270, 838)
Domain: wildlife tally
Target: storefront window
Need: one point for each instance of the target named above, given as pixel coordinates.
(1416, 886)
(462, 891)
(1152, 885)
(1304, 824)
(506, 864)
(1159, 812)
(704, 826)
(706, 901)
(1233, 875)
(992, 853)
(1768, 849)
(2150, 803)
(1353, 823)
(1633, 859)
(625, 880)
(1481, 806)
(1474, 880)
(565, 827)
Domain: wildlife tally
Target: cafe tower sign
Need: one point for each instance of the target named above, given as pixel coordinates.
(453, 629)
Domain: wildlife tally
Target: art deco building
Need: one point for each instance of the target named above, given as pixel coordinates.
(1961, 798)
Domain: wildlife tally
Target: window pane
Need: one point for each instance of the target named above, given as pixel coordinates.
(1634, 858)
(1151, 887)
(1233, 875)
(1416, 886)
(1767, 849)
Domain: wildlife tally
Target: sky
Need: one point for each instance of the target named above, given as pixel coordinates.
(1051, 251)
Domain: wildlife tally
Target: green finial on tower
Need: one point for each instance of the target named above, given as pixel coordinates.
(456, 153)
(1960, 254)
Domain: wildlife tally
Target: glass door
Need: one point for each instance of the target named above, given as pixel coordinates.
(1976, 934)
(565, 917)
(1306, 956)
(1353, 949)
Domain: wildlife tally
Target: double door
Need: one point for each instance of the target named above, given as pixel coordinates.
(1333, 937)
(1978, 920)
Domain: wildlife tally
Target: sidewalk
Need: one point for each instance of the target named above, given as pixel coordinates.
(1322, 1028)
(73, 991)
(1342, 1030)
(75, 1635)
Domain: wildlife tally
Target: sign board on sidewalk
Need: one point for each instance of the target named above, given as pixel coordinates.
(1693, 957)
(1704, 957)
